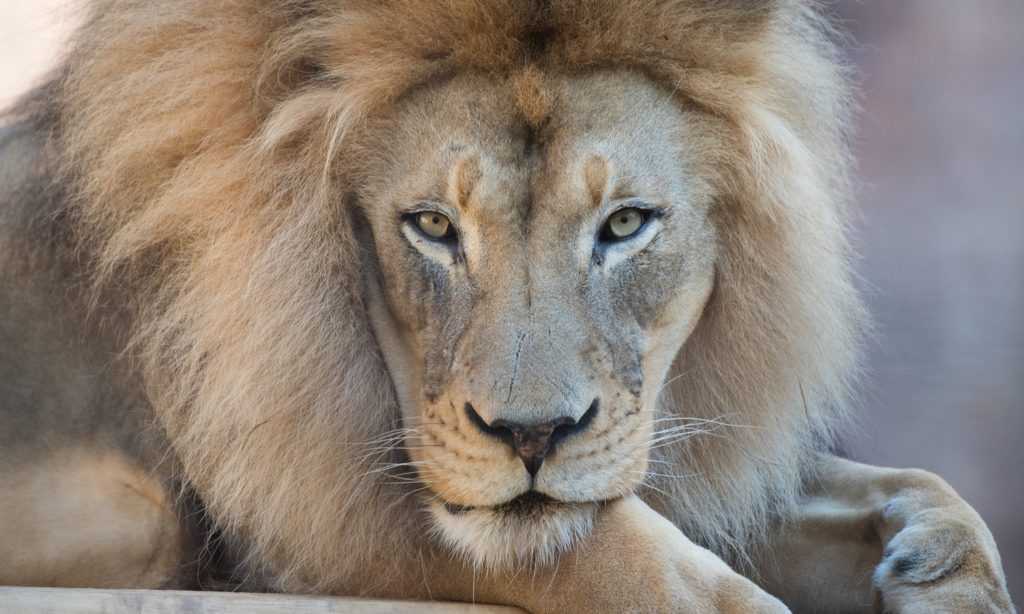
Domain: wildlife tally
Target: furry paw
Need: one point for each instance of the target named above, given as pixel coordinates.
(940, 557)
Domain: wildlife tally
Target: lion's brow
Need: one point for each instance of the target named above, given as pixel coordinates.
(463, 179)
(595, 175)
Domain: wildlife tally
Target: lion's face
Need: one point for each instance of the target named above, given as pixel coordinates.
(543, 251)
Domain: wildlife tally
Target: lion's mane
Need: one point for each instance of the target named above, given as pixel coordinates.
(205, 143)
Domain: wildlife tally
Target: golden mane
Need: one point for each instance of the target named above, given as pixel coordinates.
(207, 145)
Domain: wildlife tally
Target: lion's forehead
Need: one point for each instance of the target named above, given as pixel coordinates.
(473, 143)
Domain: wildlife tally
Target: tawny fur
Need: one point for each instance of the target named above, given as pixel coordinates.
(206, 143)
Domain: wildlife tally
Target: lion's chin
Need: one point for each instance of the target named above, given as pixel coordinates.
(530, 530)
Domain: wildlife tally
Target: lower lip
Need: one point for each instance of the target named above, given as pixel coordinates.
(525, 502)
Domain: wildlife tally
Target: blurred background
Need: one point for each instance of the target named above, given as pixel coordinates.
(940, 144)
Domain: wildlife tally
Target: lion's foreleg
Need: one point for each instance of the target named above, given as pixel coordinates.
(876, 539)
(88, 518)
(634, 561)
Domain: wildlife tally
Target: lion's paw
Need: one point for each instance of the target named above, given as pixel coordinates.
(942, 559)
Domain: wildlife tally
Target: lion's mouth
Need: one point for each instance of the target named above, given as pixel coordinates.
(532, 527)
(529, 503)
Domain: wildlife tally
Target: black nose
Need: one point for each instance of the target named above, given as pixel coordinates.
(533, 442)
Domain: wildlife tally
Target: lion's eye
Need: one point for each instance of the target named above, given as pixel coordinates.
(435, 225)
(624, 223)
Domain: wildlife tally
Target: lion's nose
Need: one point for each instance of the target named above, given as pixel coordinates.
(533, 442)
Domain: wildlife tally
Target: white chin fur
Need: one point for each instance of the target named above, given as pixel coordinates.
(498, 540)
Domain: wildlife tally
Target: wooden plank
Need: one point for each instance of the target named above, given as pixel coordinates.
(18, 600)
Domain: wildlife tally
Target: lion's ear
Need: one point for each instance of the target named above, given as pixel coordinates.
(742, 19)
(278, 80)
(745, 16)
(291, 63)
(750, 7)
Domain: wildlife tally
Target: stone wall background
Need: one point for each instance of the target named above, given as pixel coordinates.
(941, 149)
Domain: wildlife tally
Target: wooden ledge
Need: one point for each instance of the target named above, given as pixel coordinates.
(17, 600)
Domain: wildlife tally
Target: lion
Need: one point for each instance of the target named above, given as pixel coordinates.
(539, 303)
